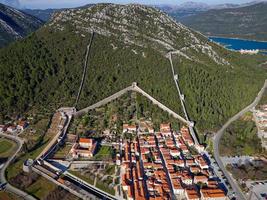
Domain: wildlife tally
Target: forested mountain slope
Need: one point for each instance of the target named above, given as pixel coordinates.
(131, 43)
(248, 22)
(44, 15)
(15, 24)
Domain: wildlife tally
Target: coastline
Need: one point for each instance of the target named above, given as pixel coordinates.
(250, 45)
(236, 38)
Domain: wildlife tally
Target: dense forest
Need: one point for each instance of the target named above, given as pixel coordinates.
(240, 138)
(130, 108)
(43, 72)
(213, 94)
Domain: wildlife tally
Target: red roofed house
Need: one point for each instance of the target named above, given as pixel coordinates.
(202, 163)
(200, 179)
(192, 194)
(84, 148)
(85, 142)
(22, 125)
(212, 194)
(175, 152)
(128, 128)
(187, 179)
(177, 187)
(165, 129)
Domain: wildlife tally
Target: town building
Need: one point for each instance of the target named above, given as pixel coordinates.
(22, 125)
(3, 128)
(12, 129)
(164, 157)
(129, 128)
(165, 130)
(84, 148)
(212, 194)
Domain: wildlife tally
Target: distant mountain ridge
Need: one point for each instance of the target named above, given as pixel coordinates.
(192, 8)
(15, 24)
(248, 22)
(44, 15)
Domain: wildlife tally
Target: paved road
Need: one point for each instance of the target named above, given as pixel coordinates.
(9, 187)
(84, 68)
(218, 136)
(256, 189)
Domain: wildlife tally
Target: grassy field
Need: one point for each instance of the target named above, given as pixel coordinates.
(41, 188)
(105, 187)
(85, 178)
(99, 184)
(104, 152)
(110, 169)
(33, 150)
(16, 168)
(63, 151)
(6, 147)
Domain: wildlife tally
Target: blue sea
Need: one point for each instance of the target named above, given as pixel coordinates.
(238, 44)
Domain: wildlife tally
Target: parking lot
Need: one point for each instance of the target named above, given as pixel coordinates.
(257, 190)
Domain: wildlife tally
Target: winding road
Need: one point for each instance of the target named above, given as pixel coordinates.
(238, 192)
(9, 187)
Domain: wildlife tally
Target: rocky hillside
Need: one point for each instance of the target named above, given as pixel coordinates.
(249, 22)
(15, 24)
(142, 26)
(131, 44)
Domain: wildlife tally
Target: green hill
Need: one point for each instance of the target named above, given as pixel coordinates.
(248, 22)
(43, 71)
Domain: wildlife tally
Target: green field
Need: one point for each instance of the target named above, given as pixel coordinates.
(105, 152)
(101, 185)
(105, 187)
(41, 188)
(6, 147)
(85, 178)
(14, 169)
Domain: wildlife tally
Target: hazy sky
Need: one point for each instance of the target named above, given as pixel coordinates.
(73, 3)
